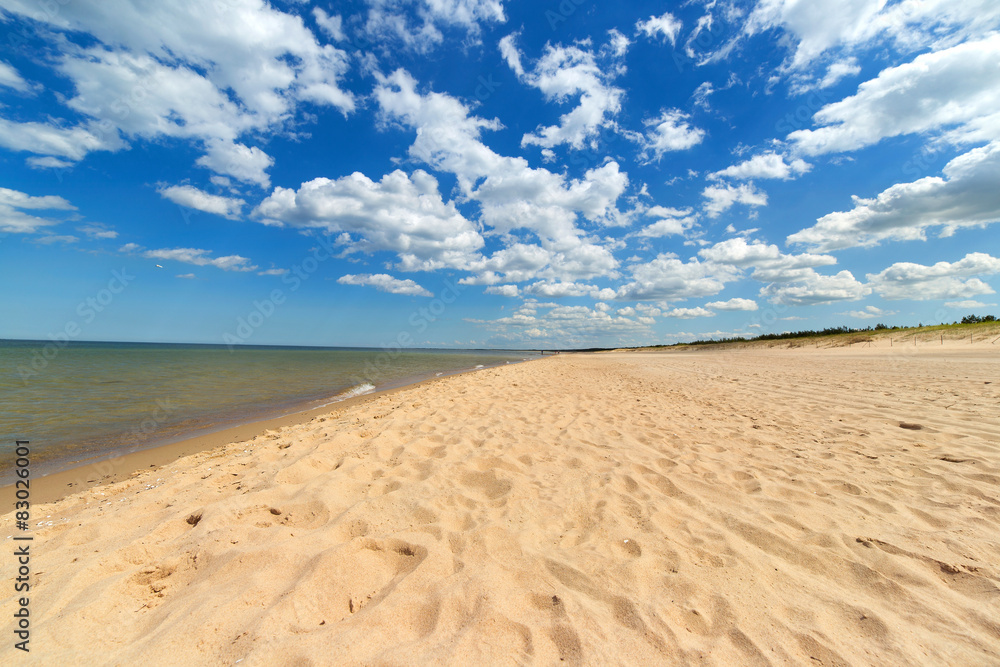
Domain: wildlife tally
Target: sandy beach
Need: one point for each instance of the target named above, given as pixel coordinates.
(756, 506)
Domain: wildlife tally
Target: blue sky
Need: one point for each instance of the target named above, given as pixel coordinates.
(482, 173)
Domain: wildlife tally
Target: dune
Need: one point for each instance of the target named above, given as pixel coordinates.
(759, 506)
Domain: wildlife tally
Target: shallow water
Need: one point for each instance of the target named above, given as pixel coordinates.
(91, 399)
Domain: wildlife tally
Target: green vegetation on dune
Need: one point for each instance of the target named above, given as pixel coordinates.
(969, 325)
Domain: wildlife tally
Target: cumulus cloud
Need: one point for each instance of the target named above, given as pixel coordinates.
(96, 231)
(385, 283)
(244, 163)
(956, 88)
(191, 197)
(208, 72)
(968, 303)
(503, 290)
(721, 198)
(54, 238)
(389, 20)
(14, 203)
(670, 131)
(10, 78)
(512, 195)
(668, 278)
(688, 313)
(401, 214)
(550, 324)
(670, 221)
(562, 73)
(944, 280)
(835, 72)
(814, 288)
(558, 290)
(331, 25)
(48, 163)
(869, 313)
(733, 304)
(195, 256)
(813, 31)
(666, 26)
(766, 165)
(767, 260)
(54, 140)
(967, 196)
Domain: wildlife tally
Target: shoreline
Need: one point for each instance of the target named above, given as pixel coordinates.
(109, 468)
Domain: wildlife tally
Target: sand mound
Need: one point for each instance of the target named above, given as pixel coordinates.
(770, 507)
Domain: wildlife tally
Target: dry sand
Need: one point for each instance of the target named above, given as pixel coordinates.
(752, 507)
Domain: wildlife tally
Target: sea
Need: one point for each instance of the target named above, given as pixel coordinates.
(79, 401)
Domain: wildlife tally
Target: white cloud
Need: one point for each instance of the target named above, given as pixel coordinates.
(834, 74)
(192, 197)
(96, 231)
(563, 72)
(402, 214)
(387, 19)
(244, 163)
(555, 325)
(10, 78)
(702, 94)
(766, 165)
(186, 276)
(331, 25)
(13, 219)
(670, 131)
(666, 26)
(272, 272)
(956, 88)
(688, 313)
(52, 238)
(195, 256)
(723, 197)
(768, 262)
(558, 290)
(618, 43)
(672, 221)
(815, 288)
(22, 200)
(517, 262)
(668, 278)
(512, 195)
(48, 139)
(814, 31)
(869, 313)
(813, 26)
(907, 280)
(503, 290)
(385, 283)
(967, 196)
(968, 303)
(202, 71)
(48, 163)
(733, 304)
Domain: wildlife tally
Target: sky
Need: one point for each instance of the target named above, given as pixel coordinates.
(486, 173)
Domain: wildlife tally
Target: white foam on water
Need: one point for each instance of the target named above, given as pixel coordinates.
(358, 390)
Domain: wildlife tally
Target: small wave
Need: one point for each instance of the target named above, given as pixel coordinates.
(358, 390)
(480, 366)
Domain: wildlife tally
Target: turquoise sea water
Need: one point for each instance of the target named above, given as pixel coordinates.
(98, 399)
